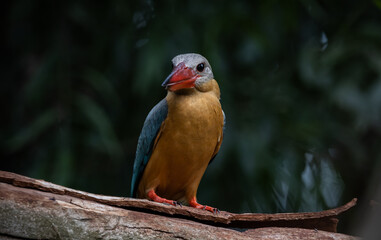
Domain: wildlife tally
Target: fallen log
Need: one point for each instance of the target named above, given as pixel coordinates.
(36, 209)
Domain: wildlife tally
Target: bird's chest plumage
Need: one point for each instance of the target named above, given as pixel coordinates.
(194, 126)
(188, 139)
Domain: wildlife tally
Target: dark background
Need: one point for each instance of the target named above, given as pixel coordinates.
(300, 82)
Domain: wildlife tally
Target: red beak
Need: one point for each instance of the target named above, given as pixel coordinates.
(180, 78)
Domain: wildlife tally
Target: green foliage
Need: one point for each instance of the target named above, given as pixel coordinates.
(300, 81)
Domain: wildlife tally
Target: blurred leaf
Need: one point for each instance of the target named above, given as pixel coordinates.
(40, 82)
(30, 133)
(103, 87)
(150, 69)
(63, 169)
(377, 3)
(101, 124)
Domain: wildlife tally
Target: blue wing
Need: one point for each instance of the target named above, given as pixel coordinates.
(145, 143)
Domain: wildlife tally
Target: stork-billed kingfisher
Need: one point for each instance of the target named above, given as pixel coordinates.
(181, 135)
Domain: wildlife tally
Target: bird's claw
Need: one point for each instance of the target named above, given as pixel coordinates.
(154, 197)
(207, 208)
(195, 204)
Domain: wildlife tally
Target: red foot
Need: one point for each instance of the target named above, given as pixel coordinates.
(154, 197)
(193, 203)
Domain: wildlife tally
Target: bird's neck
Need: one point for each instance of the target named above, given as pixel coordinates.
(210, 86)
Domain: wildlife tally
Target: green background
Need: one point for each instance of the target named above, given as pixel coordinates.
(300, 83)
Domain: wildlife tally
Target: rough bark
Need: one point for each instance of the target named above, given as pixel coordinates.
(36, 209)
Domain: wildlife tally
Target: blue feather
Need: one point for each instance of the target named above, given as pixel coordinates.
(146, 139)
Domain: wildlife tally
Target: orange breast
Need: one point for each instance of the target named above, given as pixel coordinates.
(188, 139)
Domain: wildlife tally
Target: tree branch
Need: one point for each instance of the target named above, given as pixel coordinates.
(36, 209)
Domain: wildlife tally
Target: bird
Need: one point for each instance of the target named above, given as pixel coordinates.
(181, 135)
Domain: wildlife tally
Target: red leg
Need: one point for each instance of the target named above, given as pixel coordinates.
(154, 197)
(193, 203)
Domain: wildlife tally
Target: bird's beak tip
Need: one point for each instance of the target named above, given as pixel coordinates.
(167, 80)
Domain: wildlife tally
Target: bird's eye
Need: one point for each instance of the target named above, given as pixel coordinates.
(200, 67)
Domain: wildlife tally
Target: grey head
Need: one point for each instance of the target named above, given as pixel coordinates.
(189, 70)
(196, 62)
